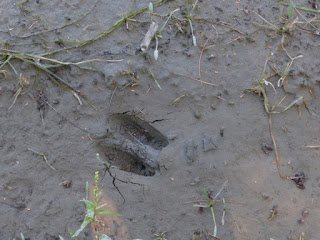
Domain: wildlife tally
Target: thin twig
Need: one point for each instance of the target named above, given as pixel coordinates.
(16, 95)
(217, 200)
(42, 155)
(113, 92)
(195, 79)
(275, 148)
(202, 50)
(63, 117)
(314, 147)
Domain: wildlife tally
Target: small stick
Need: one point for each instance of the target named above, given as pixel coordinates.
(217, 200)
(307, 22)
(275, 148)
(195, 79)
(210, 235)
(278, 104)
(154, 78)
(16, 95)
(233, 40)
(180, 97)
(314, 147)
(113, 92)
(31, 26)
(63, 117)
(42, 155)
(231, 27)
(202, 50)
(221, 98)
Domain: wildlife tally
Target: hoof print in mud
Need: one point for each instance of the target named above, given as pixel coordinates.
(193, 147)
(209, 143)
(191, 152)
(133, 145)
(141, 131)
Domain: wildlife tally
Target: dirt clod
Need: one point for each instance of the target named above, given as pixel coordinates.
(299, 180)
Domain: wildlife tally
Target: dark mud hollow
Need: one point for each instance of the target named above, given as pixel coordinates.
(141, 131)
(124, 161)
(134, 145)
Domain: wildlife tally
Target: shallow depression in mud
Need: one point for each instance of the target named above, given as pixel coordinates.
(133, 145)
(124, 161)
(142, 131)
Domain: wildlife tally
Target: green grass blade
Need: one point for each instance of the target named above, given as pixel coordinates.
(87, 190)
(223, 186)
(6, 61)
(224, 211)
(90, 206)
(290, 10)
(301, 8)
(103, 211)
(86, 221)
(104, 237)
(215, 229)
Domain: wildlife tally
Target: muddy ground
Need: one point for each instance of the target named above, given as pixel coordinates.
(169, 144)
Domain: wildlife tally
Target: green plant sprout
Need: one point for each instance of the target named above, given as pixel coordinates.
(160, 236)
(92, 210)
(224, 211)
(287, 69)
(262, 82)
(150, 7)
(189, 18)
(158, 35)
(154, 79)
(42, 155)
(210, 204)
(284, 29)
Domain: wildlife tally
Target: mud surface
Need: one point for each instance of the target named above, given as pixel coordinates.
(169, 131)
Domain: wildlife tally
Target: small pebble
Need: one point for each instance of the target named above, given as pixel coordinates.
(66, 183)
(265, 196)
(191, 153)
(172, 136)
(305, 213)
(197, 114)
(221, 132)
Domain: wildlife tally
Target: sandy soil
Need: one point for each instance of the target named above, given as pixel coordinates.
(169, 144)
